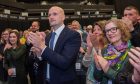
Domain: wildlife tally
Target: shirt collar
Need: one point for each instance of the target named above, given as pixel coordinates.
(59, 30)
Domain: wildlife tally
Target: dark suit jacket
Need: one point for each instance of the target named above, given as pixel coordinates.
(62, 60)
(3, 71)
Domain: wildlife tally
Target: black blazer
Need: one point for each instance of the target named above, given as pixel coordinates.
(3, 71)
(62, 60)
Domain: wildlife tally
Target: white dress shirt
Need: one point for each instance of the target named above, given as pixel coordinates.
(58, 31)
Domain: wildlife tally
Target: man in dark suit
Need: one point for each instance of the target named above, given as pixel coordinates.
(61, 58)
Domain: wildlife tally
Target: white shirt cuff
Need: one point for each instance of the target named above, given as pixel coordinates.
(43, 50)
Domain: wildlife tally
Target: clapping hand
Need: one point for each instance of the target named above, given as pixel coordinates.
(134, 59)
(7, 46)
(10, 71)
(36, 40)
(136, 76)
(128, 23)
(36, 51)
(101, 63)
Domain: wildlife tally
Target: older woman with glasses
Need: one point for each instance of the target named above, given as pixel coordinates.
(114, 56)
(4, 44)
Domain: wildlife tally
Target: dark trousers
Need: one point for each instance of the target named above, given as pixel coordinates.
(66, 82)
(46, 82)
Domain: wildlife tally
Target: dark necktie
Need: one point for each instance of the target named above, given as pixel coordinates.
(52, 40)
(51, 47)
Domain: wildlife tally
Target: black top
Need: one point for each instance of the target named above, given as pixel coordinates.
(3, 72)
(135, 40)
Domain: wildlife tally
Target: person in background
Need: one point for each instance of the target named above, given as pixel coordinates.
(4, 44)
(14, 61)
(85, 33)
(80, 69)
(139, 19)
(5, 38)
(94, 40)
(86, 30)
(131, 13)
(24, 36)
(76, 26)
(89, 28)
(20, 33)
(35, 26)
(34, 64)
(47, 32)
(60, 49)
(113, 58)
(69, 25)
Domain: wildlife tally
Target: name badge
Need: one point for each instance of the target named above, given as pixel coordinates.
(78, 65)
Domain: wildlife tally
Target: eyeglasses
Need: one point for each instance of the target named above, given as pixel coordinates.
(5, 34)
(113, 30)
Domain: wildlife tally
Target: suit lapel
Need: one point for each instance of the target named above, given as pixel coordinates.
(48, 39)
(60, 38)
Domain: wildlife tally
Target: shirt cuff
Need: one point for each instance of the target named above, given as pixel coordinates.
(40, 58)
(43, 49)
(87, 58)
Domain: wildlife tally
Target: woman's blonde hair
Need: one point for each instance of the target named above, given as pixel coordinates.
(125, 33)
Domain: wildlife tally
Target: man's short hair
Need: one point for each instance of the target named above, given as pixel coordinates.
(132, 7)
(37, 22)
